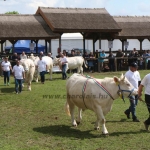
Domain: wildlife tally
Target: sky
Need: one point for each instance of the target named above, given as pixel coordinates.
(114, 7)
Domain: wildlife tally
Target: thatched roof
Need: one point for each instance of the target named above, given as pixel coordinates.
(133, 27)
(69, 20)
(24, 27)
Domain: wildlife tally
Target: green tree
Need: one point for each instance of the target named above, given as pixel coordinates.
(12, 12)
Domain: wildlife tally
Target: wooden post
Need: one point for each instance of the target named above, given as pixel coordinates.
(46, 46)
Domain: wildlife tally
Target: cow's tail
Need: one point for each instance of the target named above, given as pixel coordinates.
(67, 108)
(84, 63)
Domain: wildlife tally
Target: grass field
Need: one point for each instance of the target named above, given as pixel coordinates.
(32, 121)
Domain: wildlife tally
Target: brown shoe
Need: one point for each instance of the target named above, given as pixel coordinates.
(146, 126)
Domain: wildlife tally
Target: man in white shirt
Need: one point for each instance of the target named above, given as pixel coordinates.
(23, 56)
(6, 67)
(134, 78)
(19, 75)
(42, 67)
(146, 83)
(63, 60)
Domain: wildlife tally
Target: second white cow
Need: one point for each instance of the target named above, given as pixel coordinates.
(29, 68)
(73, 63)
(49, 63)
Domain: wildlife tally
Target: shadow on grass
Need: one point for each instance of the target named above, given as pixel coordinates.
(65, 131)
(7, 90)
(126, 133)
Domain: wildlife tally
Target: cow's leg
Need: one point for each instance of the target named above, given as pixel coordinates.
(50, 72)
(71, 108)
(29, 86)
(101, 118)
(79, 115)
(81, 69)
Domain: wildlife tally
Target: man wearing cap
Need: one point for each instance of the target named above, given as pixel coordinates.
(6, 67)
(134, 78)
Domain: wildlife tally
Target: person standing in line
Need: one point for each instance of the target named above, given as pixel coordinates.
(42, 67)
(64, 62)
(6, 67)
(134, 78)
(19, 75)
(146, 83)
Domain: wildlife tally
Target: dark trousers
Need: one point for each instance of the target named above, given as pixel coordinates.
(18, 82)
(132, 107)
(147, 100)
(42, 75)
(64, 75)
(6, 76)
(112, 66)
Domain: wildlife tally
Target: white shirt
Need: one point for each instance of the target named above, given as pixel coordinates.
(18, 70)
(23, 56)
(63, 59)
(133, 78)
(6, 65)
(41, 65)
(146, 83)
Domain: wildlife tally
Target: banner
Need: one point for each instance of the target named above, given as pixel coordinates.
(110, 44)
(32, 45)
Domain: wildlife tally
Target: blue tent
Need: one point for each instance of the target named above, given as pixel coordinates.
(24, 45)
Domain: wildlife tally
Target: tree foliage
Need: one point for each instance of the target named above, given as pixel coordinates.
(12, 12)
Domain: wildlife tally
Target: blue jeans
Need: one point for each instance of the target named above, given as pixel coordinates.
(64, 75)
(6, 76)
(42, 75)
(18, 82)
(132, 108)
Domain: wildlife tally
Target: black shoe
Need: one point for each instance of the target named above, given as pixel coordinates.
(136, 120)
(146, 126)
(127, 114)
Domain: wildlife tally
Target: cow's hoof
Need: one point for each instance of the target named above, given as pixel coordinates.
(74, 125)
(78, 122)
(96, 128)
(105, 134)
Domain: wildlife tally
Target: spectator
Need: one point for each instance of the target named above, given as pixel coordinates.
(101, 60)
(91, 62)
(59, 55)
(50, 55)
(119, 55)
(148, 60)
(23, 56)
(65, 53)
(106, 68)
(96, 60)
(14, 58)
(111, 61)
(72, 53)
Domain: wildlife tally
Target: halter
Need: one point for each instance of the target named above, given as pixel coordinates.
(120, 92)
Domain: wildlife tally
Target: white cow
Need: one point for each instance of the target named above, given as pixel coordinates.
(29, 68)
(49, 63)
(73, 63)
(96, 95)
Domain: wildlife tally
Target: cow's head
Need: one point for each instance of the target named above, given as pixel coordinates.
(125, 88)
(56, 61)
